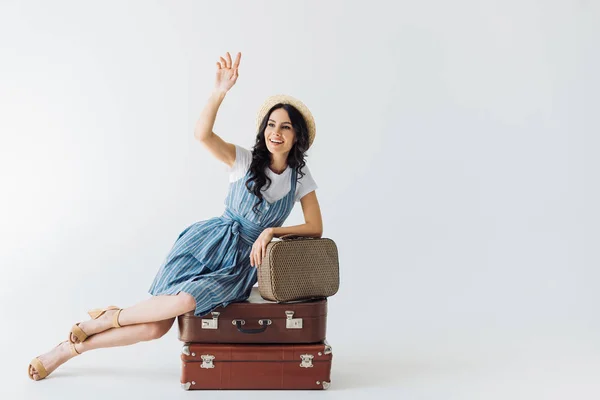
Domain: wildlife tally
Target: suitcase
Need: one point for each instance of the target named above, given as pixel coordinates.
(299, 268)
(257, 320)
(255, 366)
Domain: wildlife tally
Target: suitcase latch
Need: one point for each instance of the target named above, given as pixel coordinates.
(207, 361)
(307, 360)
(186, 350)
(211, 323)
(291, 322)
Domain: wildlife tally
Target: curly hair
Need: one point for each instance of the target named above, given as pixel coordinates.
(261, 156)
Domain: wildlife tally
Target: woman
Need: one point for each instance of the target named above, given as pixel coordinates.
(212, 262)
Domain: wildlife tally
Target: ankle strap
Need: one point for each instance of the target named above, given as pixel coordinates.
(73, 349)
(116, 319)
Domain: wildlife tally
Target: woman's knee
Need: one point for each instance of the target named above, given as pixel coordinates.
(187, 301)
(156, 330)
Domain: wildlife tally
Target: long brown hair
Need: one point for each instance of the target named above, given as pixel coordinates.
(261, 156)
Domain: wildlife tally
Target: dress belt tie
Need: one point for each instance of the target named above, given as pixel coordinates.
(248, 231)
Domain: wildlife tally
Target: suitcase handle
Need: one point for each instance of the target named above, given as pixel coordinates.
(291, 236)
(264, 322)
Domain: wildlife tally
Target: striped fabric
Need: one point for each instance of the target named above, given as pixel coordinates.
(211, 259)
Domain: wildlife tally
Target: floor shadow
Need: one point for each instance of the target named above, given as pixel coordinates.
(131, 373)
(382, 373)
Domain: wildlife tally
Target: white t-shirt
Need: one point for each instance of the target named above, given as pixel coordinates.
(280, 183)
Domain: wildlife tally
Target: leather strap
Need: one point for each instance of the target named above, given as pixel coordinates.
(74, 350)
(39, 368)
(116, 319)
(78, 333)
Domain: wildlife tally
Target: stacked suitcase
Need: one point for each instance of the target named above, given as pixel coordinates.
(257, 344)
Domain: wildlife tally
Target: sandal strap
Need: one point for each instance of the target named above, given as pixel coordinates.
(116, 319)
(78, 333)
(39, 368)
(73, 349)
(36, 363)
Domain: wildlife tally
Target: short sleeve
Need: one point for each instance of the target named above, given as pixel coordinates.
(243, 159)
(305, 185)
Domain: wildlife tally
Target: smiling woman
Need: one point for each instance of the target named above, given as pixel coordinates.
(279, 132)
(283, 137)
(211, 262)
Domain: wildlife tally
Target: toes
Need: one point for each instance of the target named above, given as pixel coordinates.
(73, 338)
(77, 333)
(33, 373)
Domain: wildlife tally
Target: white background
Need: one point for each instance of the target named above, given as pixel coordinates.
(456, 158)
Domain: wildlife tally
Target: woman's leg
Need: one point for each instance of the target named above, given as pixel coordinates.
(111, 338)
(126, 335)
(147, 320)
(156, 308)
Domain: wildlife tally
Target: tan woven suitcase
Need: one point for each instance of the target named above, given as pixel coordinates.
(299, 268)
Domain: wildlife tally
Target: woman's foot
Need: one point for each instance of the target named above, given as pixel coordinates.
(93, 326)
(53, 359)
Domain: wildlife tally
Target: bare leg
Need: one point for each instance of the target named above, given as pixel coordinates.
(156, 308)
(147, 320)
(111, 338)
(126, 335)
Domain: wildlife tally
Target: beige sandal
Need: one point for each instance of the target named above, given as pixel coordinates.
(39, 367)
(96, 313)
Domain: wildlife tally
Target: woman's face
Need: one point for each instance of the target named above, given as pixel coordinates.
(279, 133)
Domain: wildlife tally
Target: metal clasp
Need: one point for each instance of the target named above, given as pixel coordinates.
(307, 360)
(211, 323)
(291, 322)
(186, 350)
(207, 361)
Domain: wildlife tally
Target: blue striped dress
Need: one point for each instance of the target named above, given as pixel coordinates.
(211, 259)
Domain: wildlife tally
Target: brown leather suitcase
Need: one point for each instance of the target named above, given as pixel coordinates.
(257, 320)
(256, 366)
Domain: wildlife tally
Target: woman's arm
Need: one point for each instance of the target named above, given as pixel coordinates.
(312, 228)
(313, 225)
(220, 149)
(226, 77)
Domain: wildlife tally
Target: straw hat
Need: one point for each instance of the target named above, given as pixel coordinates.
(285, 99)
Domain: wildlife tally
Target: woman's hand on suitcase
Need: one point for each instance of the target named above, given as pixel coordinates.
(227, 72)
(259, 248)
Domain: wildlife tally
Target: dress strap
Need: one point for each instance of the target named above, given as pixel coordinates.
(294, 178)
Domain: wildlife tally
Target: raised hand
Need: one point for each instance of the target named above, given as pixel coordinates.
(227, 72)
